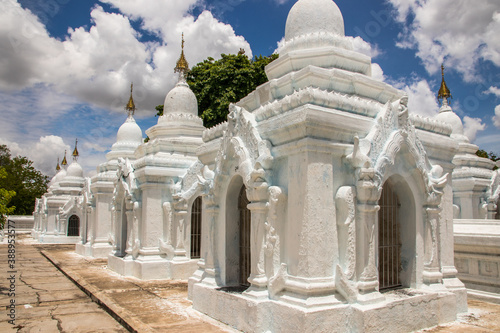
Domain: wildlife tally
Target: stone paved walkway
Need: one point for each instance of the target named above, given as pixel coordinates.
(49, 296)
(45, 300)
(48, 299)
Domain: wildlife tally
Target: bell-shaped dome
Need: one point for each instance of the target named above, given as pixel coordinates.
(314, 16)
(446, 115)
(181, 100)
(58, 177)
(74, 170)
(129, 132)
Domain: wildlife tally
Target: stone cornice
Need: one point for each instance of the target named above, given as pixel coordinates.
(334, 80)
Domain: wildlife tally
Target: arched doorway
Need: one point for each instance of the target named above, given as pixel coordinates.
(196, 228)
(237, 235)
(73, 226)
(245, 227)
(389, 239)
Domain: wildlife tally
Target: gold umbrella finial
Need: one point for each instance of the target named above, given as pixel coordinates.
(130, 105)
(58, 167)
(64, 161)
(182, 66)
(75, 151)
(444, 94)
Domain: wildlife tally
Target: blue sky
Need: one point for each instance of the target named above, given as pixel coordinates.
(66, 65)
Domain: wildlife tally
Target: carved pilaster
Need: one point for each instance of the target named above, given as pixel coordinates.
(432, 273)
(180, 249)
(212, 213)
(368, 193)
(258, 276)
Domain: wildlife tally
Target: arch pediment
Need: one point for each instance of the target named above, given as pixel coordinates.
(242, 147)
(392, 131)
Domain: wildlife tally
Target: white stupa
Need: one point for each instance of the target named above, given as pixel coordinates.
(472, 176)
(59, 216)
(98, 235)
(152, 235)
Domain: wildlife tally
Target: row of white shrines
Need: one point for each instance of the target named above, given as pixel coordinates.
(322, 204)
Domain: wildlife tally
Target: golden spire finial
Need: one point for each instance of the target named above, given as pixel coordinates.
(182, 66)
(444, 93)
(130, 105)
(75, 151)
(58, 167)
(64, 161)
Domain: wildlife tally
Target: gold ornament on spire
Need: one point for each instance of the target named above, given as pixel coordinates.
(75, 151)
(444, 94)
(64, 161)
(58, 167)
(182, 66)
(130, 105)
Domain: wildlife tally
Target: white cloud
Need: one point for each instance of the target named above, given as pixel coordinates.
(421, 99)
(32, 112)
(493, 90)
(44, 80)
(43, 153)
(496, 117)
(361, 46)
(460, 33)
(472, 126)
(97, 64)
(279, 45)
(377, 72)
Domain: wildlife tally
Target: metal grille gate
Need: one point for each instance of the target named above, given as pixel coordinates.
(74, 226)
(389, 240)
(245, 225)
(196, 228)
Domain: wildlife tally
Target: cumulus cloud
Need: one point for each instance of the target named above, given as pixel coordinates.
(362, 46)
(460, 33)
(97, 64)
(493, 90)
(43, 153)
(496, 117)
(45, 81)
(472, 126)
(421, 99)
(377, 72)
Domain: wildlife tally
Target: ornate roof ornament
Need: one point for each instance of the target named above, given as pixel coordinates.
(182, 66)
(444, 93)
(130, 105)
(58, 167)
(75, 151)
(64, 161)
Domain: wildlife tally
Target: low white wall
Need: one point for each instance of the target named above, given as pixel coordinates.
(22, 222)
(477, 257)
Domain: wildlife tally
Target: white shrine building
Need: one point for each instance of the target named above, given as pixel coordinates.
(153, 233)
(98, 236)
(321, 205)
(331, 206)
(58, 213)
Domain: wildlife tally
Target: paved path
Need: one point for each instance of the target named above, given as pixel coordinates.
(46, 301)
(58, 290)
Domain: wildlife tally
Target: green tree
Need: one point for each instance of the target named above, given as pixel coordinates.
(492, 156)
(22, 178)
(217, 83)
(5, 197)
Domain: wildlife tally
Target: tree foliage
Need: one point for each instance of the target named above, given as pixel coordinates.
(5, 197)
(23, 179)
(217, 83)
(492, 156)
